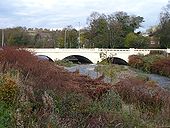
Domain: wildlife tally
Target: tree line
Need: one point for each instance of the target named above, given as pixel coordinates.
(116, 30)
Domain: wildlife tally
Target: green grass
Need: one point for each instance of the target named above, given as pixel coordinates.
(5, 115)
(64, 63)
(111, 70)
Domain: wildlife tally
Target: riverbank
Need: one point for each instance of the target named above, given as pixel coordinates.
(114, 73)
(140, 94)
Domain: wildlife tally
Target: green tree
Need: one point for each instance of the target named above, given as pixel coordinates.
(70, 37)
(110, 31)
(37, 40)
(84, 38)
(120, 25)
(116, 33)
(163, 31)
(17, 36)
(134, 40)
(98, 28)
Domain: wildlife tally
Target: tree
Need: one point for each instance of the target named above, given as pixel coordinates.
(134, 40)
(109, 31)
(84, 38)
(163, 31)
(17, 37)
(37, 40)
(98, 28)
(121, 24)
(73, 38)
(116, 33)
(70, 37)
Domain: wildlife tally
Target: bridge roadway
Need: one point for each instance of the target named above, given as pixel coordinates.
(94, 55)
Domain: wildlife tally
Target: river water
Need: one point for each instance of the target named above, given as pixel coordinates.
(161, 80)
(85, 70)
(89, 70)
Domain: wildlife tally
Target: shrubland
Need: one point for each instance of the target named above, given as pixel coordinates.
(40, 94)
(151, 63)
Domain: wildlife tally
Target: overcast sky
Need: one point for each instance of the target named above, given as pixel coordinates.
(61, 13)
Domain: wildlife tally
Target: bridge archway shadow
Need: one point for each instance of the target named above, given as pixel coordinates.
(116, 60)
(44, 58)
(77, 59)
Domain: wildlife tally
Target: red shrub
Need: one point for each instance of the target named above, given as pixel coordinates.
(161, 67)
(43, 74)
(135, 61)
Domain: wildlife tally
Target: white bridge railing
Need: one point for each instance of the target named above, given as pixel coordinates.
(95, 49)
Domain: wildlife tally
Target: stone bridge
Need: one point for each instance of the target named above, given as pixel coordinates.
(93, 55)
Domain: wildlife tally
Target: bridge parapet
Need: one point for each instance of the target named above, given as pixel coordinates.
(131, 50)
(78, 50)
(43, 50)
(147, 51)
(115, 49)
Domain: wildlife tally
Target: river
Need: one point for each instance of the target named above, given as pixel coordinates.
(89, 70)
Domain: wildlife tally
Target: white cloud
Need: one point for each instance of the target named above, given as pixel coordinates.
(60, 13)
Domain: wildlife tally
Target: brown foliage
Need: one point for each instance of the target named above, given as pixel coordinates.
(46, 75)
(8, 90)
(161, 67)
(135, 61)
(145, 95)
(153, 63)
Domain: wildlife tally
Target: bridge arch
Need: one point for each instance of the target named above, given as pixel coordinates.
(44, 57)
(116, 60)
(78, 59)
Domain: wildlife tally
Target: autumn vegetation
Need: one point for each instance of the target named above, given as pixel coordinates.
(151, 63)
(40, 94)
(145, 99)
(36, 93)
